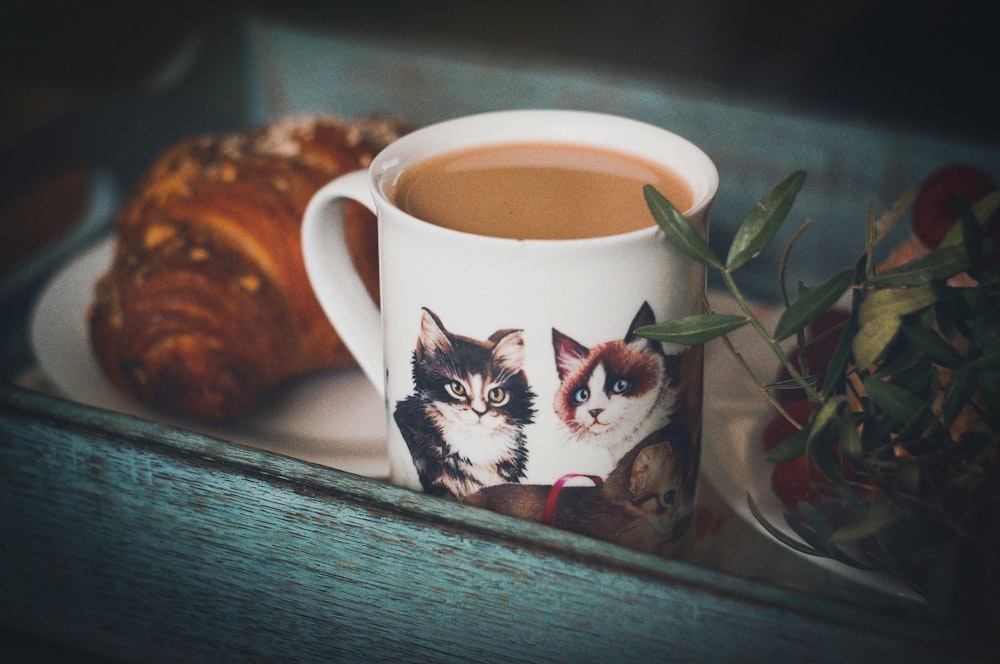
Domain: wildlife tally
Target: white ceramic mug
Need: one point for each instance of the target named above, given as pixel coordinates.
(514, 302)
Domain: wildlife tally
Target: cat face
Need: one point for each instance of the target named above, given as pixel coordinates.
(609, 388)
(476, 392)
(654, 485)
(657, 487)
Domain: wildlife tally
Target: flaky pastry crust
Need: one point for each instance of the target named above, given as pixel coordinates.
(207, 306)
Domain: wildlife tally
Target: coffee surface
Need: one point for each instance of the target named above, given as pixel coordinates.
(543, 191)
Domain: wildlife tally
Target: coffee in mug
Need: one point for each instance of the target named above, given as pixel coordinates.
(536, 191)
(506, 346)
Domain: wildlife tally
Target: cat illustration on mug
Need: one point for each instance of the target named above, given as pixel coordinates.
(615, 393)
(466, 425)
(464, 422)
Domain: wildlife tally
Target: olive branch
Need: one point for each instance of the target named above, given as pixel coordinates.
(907, 408)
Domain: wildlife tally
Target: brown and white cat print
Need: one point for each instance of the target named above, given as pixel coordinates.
(618, 416)
(615, 393)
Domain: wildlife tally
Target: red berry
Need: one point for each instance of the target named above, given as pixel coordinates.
(793, 483)
(827, 321)
(790, 480)
(779, 428)
(937, 205)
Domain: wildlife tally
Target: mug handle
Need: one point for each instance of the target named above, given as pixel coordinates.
(336, 283)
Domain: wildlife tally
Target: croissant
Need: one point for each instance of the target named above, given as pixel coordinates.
(207, 307)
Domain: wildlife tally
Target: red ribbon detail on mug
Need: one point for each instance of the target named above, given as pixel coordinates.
(549, 512)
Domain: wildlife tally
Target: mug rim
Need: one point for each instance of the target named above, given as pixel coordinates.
(389, 164)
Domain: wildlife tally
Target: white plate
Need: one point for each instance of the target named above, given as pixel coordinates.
(335, 418)
(735, 414)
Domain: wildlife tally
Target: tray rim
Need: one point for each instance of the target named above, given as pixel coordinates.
(42, 420)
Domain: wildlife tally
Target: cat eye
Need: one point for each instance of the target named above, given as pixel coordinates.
(620, 386)
(455, 390)
(498, 396)
(669, 497)
(581, 395)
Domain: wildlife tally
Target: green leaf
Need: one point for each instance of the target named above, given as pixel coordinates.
(971, 240)
(835, 414)
(838, 361)
(777, 534)
(942, 263)
(895, 302)
(823, 549)
(828, 412)
(961, 386)
(954, 305)
(880, 318)
(814, 534)
(900, 404)
(933, 347)
(692, 330)
(869, 522)
(811, 304)
(986, 337)
(983, 210)
(818, 534)
(821, 449)
(835, 423)
(872, 339)
(989, 362)
(792, 383)
(678, 230)
(836, 368)
(850, 440)
(763, 222)
(989, 390)
(790, 448)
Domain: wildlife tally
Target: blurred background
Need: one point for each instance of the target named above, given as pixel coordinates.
(112, 84)
(930, 65)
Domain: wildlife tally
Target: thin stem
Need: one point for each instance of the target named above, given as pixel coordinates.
(766, 392)
(737, 294)
(870, 243)
(800, 336)
(783, 265)
(738, 356)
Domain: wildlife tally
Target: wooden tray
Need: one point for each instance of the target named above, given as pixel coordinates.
(146, 543)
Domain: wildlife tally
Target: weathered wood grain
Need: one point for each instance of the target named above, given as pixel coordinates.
(146, 543)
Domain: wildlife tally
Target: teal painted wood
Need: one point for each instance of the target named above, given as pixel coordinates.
(146, 543)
